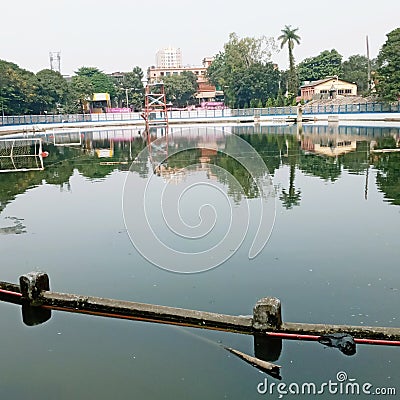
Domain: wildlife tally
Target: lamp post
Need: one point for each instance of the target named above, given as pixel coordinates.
(2, 110)
(126, 97)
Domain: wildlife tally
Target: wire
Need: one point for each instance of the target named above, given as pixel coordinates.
(9, 292)
(295, 336)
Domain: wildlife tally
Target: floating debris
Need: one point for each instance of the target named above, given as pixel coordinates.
(341, 341)
(265, 366)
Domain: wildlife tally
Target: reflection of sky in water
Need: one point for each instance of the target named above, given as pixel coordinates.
(334, 259)
(13, 226)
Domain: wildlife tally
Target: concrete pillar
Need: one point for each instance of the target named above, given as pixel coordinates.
(267, 314)
(32, 284)
(299, 113)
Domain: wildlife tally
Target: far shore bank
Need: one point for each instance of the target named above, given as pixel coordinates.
(225, 117)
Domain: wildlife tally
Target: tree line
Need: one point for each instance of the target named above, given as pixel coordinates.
(246, 74)
(23, 92)
(243, 70)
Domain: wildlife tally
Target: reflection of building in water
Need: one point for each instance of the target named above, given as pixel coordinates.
(105, 153)
(120, 144)
(170, 174)
(328, 146)
(206, 153)
(177, 175)
(331, 143)
(205, 140)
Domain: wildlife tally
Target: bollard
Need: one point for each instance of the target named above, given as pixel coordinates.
(267, 314)
(32, 284)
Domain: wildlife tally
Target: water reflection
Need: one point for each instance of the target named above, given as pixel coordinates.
(323, 151)
(15, 229)
(331, 259)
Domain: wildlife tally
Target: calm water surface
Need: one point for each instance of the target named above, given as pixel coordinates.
(333, 257)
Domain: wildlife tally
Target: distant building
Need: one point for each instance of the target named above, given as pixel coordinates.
(327, 88)
(117, 76)
(169, 57)
(205, 92)
(155, 74)
(100, 102)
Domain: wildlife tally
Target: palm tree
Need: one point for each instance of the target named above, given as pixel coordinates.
(289, 36)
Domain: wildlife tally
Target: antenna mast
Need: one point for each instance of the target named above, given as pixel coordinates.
(369, 65)
(55, 61)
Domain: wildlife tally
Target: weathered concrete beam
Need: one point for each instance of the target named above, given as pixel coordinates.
(359, 332)
(7, 293)
(12, 287)
(266, 319)
(148, 312)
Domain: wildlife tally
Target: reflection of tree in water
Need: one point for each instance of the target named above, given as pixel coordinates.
(60, 166)
(274, 149)
(388, 176)
(269, 147)
(291, 197)
(247, 185)
(326, 168)
(357, 162)
(387, 142)
(277, 149)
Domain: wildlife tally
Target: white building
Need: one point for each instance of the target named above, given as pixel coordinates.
(169, 57)
(330, 87)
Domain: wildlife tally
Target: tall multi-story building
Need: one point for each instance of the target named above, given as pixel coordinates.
(169, 57)
(205, 91)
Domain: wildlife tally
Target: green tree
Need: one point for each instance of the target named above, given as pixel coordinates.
(230, 65)
(290, 37)
(81, 91)
(181, 89)
(100, 82)
(255, 84)
(53, 89)
(327, 63)
(355, 69)
(18, 90)
(132, 86)
(388, 71)
(280, 99)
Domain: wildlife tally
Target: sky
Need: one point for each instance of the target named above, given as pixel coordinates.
(117, 35)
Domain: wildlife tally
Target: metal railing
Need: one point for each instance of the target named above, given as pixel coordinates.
(202, 113)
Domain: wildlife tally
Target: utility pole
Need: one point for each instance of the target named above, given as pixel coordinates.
(369, 66)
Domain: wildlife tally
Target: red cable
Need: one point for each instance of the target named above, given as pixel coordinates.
(294, 336)
(378, 342)
(297, 336)
(10, 292)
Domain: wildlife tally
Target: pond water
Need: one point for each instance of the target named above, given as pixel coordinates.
(332, 207)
